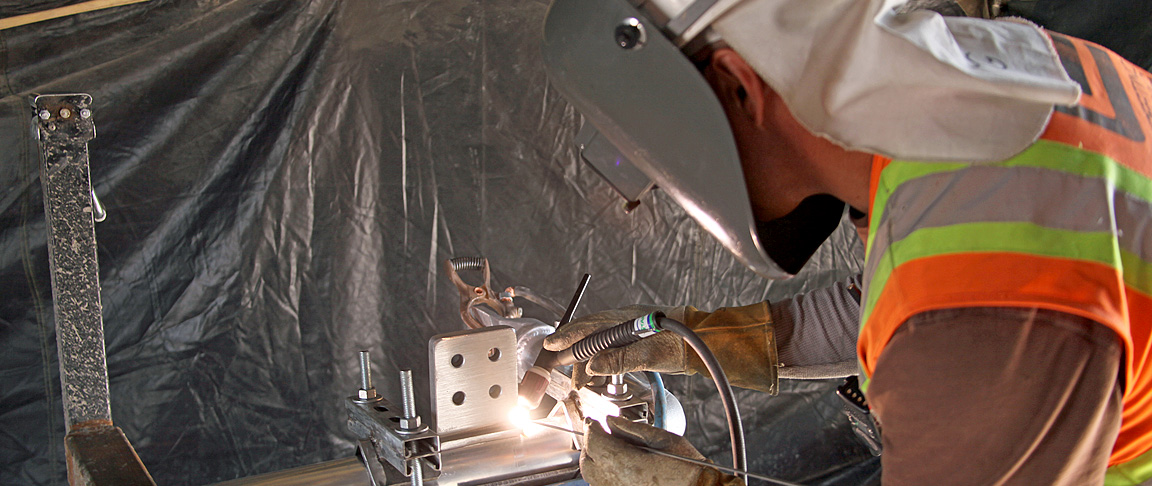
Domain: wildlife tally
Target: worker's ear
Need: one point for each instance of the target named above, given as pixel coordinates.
(737, 84)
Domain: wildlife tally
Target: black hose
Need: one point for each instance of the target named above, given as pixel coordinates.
(613, 337)
(735, 428)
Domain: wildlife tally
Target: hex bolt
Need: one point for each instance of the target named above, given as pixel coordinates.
(409, 421)
(366, 392)
(407, 396)
(65, 113)
(45, 114)
(365, 371)
(85, 113)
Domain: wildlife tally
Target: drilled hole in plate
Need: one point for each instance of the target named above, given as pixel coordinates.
(494, 391)
(458, 398)
(457, 361)
(493, 354)
(394, 419)
(381, 408)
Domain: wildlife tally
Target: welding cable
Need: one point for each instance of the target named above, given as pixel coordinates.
(659, 401)
(735, 428)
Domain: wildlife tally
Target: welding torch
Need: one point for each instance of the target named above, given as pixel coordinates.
(536, 379)
(535, 383)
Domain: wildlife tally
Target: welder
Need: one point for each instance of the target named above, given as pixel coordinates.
(1000, 175)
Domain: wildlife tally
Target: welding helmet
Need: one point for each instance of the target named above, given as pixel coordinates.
(857, 72)
(621, 67)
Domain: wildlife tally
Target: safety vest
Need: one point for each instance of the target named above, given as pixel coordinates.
(1065, 225)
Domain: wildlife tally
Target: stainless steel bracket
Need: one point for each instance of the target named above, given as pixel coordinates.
(473, 377)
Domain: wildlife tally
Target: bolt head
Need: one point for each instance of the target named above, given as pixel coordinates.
(45, 114)
(630, 34)
(85, 113)
(65, 113)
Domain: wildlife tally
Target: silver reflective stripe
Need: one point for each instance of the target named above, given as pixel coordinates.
(991, 194)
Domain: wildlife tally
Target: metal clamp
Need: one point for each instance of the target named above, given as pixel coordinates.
(471, 296)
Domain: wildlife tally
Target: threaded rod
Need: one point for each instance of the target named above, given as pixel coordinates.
(365, 371)
(407, 396)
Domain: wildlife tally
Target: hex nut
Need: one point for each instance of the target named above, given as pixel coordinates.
(410, 423)
(45, 114)
(85, 113)
(616, 390)
(369, 394)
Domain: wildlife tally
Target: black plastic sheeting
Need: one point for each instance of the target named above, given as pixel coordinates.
(1124, 26)
(283, 179)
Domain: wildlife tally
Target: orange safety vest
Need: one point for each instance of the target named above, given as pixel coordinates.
(1065, 225)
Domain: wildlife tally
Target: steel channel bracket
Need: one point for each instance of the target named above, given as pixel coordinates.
(98, 453)
(378, 422)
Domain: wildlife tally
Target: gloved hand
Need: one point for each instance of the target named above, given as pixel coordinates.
(614, 459)
(741, 338)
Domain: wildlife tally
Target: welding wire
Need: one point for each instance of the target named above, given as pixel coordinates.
(557, 427)
(728, 470)
(685, 459)
(575, 300)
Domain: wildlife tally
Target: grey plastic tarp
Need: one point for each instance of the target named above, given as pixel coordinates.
(283, 180)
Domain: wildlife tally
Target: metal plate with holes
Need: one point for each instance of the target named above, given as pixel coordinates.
(473, 379)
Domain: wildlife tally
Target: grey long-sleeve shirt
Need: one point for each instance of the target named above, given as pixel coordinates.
(816, 332)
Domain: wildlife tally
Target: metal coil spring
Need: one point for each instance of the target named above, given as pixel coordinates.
(613, 337)
(467, 263)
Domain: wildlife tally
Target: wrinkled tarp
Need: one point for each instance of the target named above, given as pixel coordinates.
(1121, 25)
(283, 179)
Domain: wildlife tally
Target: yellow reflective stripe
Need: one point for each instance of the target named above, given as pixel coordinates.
(1042, 154)
(1130, 473)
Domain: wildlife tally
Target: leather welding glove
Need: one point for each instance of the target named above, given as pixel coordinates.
(611, 459)
(742, 339)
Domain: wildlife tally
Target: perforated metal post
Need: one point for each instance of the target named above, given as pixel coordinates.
(98, 453)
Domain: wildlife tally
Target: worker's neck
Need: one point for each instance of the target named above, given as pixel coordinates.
(846, 175)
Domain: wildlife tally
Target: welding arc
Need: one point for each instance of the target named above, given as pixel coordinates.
(726, 469)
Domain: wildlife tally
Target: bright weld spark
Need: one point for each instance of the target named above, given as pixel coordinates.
(686, 459)
(519, 416)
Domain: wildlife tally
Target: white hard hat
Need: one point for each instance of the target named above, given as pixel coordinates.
(865, 74)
